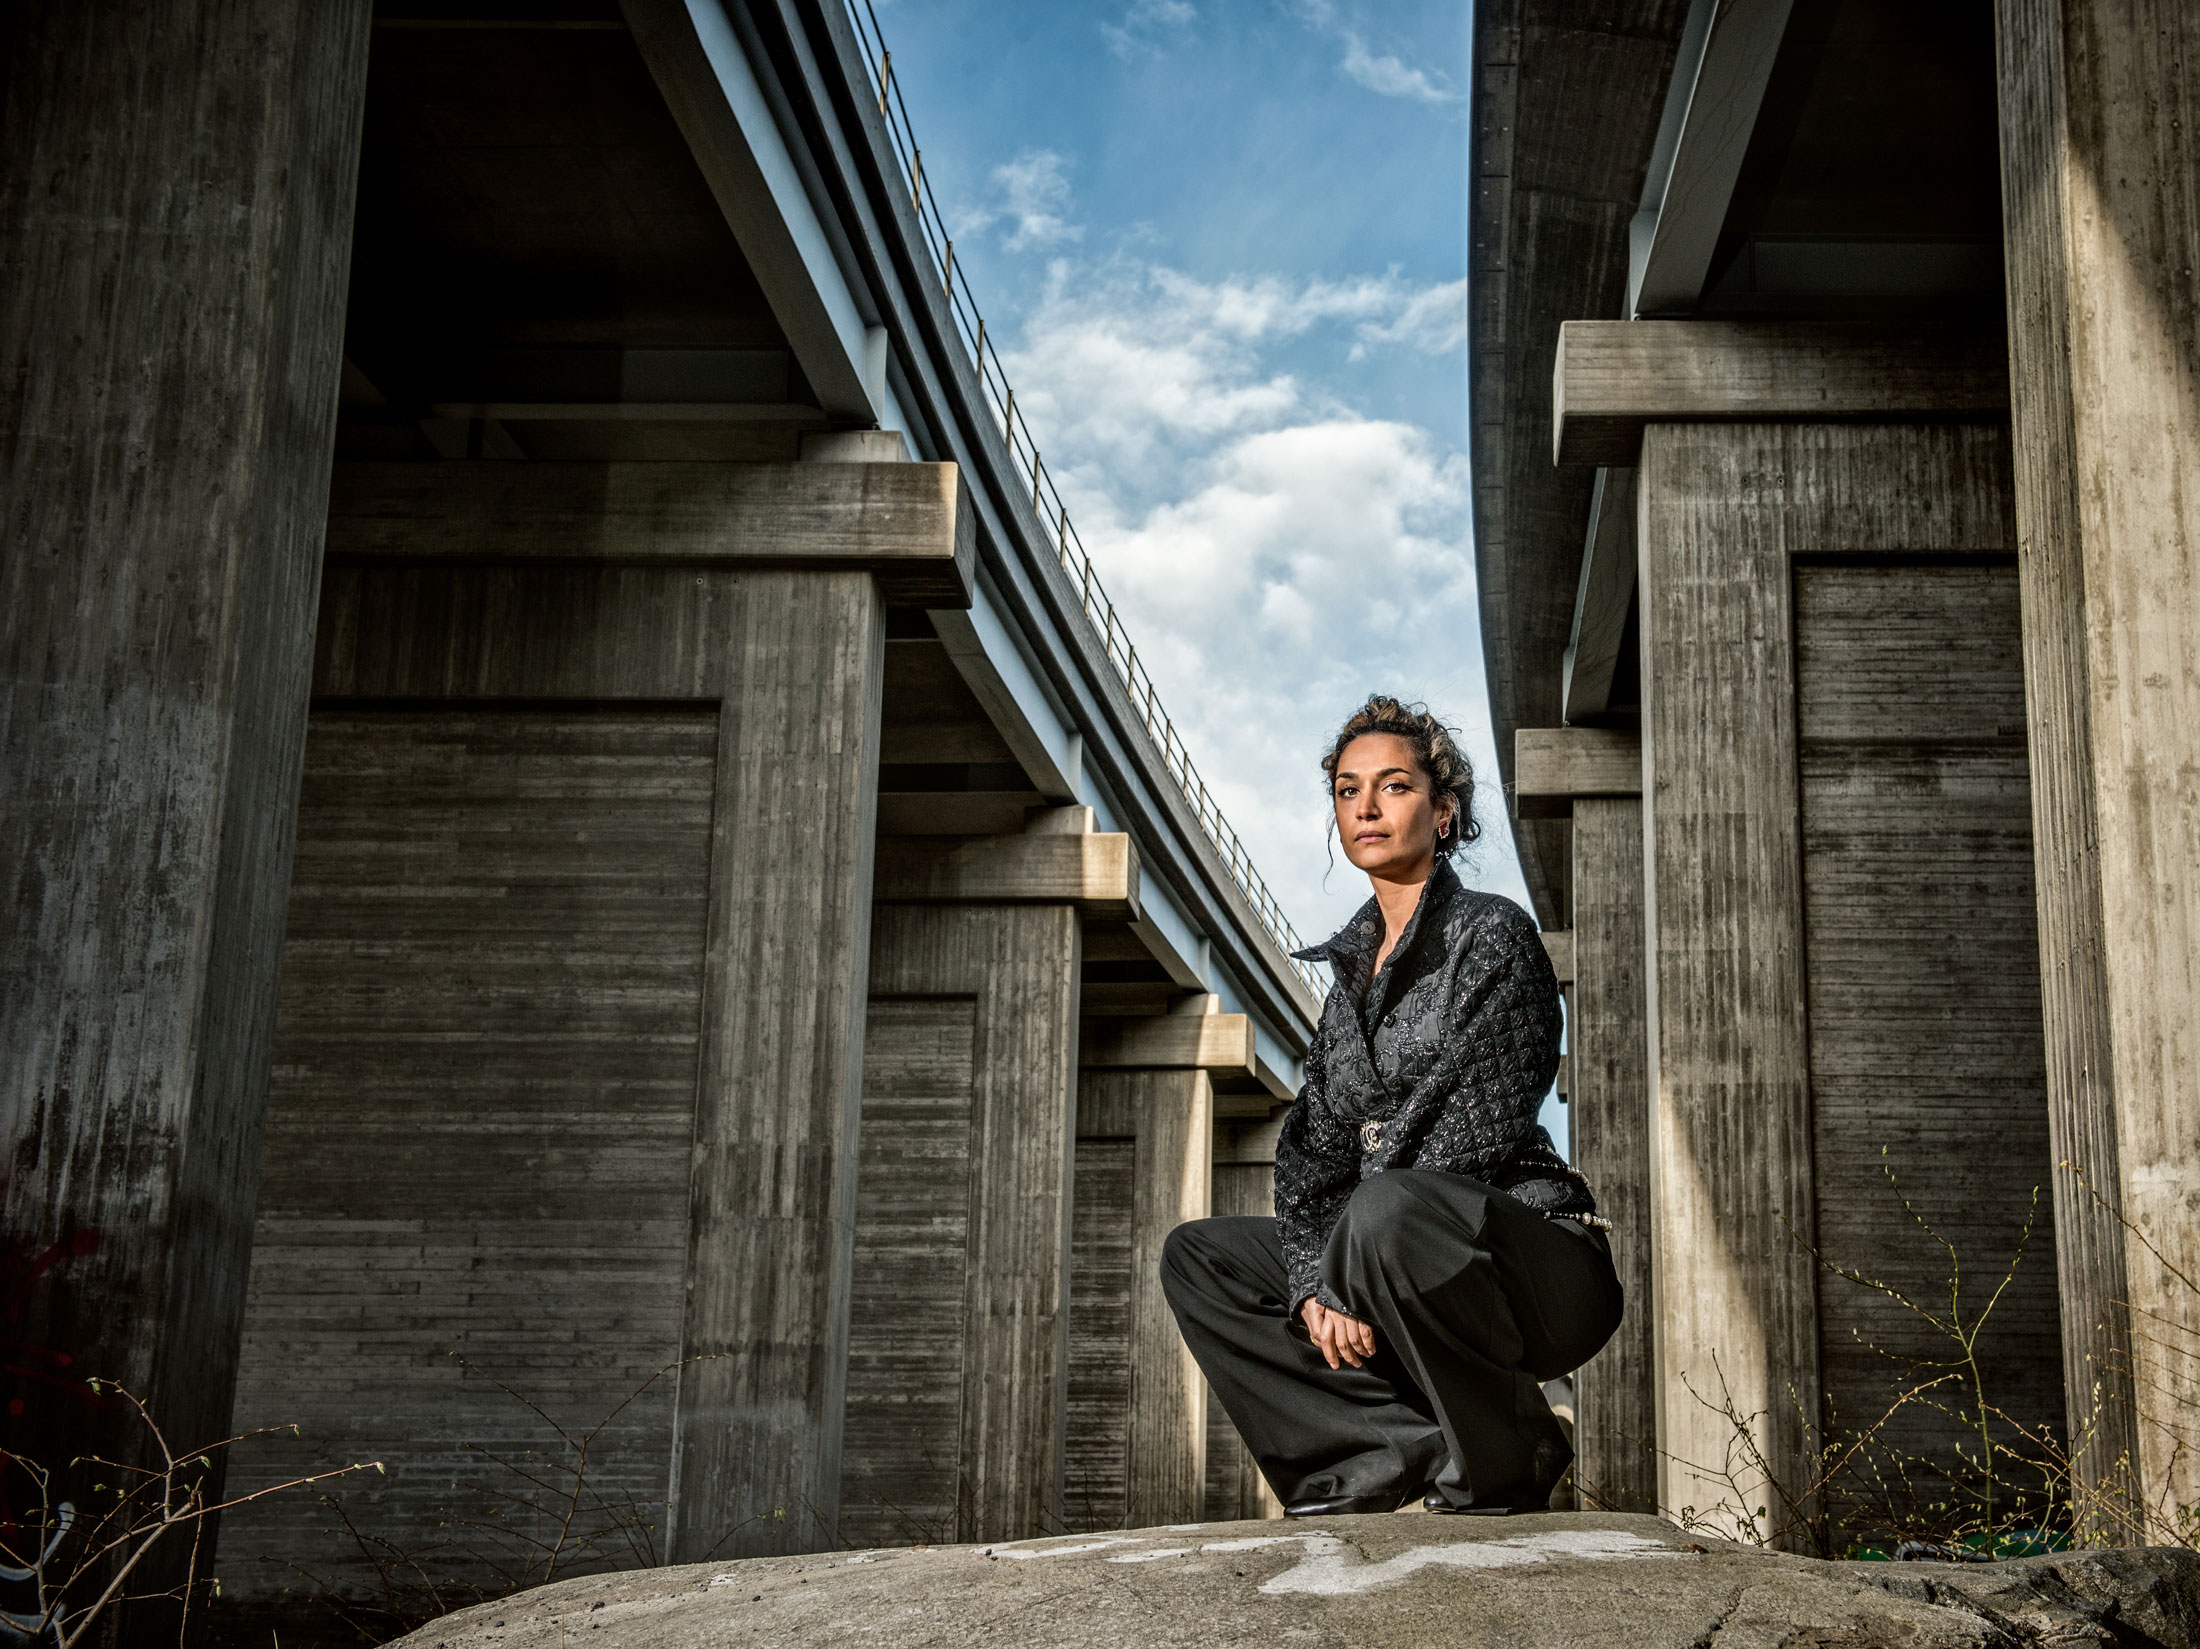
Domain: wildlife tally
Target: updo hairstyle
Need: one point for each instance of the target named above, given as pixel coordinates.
(1435, 751)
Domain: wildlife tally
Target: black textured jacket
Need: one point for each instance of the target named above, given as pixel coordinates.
(1440, 1061)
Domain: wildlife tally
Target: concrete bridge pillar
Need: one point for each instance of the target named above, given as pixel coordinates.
(1595, 776)
(957, 1355)
(1244, 1183)
(573, 1004)
(1839, 1016)
(2101, 227)
(176, 183)
(1145, 1140)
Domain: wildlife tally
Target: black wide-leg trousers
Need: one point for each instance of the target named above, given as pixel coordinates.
(1475, 1298)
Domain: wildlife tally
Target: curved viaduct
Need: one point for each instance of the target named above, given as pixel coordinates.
(569, 804)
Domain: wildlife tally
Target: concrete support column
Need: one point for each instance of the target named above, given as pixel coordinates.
(1735, 1295)
(1615, 1396)
(958, 1356)
(2100, 129)
(957, 1352)
(1137, 1453)
(573, 1011)
(1822, 517)
(176, 183)
(771, 1205)
(1244, 1183)
(1596, 775)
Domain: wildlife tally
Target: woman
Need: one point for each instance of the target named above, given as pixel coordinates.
(1433, 1260)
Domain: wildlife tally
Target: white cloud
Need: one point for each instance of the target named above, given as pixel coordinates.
(1139, 31)
(1122, 366)
(1387, 75)
(1031, 193)
(1036, 188)
(1434, 321)
(1275, 553)
(1309, 565)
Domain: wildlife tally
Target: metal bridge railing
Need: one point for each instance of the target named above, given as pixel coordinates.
(1047, 502)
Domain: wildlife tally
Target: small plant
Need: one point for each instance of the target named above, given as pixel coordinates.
(1991, 1487)
(2008, 1487)
(77, 1562)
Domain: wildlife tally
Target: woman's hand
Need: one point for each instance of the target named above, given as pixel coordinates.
(1336, 1336)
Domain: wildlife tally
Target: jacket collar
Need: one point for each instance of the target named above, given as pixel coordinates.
(1350, 951)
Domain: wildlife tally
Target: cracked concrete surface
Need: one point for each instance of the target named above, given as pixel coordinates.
(1580, 1580)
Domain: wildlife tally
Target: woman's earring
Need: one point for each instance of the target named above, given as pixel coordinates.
(1443, 830)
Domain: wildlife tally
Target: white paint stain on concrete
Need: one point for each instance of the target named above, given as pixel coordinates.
(1057, 1551)
(1331, 1568)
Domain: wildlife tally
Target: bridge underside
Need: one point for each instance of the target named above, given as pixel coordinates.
(1813, 522)
(704, 956)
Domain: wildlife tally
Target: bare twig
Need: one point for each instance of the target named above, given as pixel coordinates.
(80, 1568)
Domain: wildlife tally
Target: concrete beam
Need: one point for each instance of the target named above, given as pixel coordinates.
(1553, 765)
(1602, 600)
(1249, 1141)
(1726, 58)
(1559, 946)
(622, 412)
(1613, 377)
(1006, 678)
(909, 525)
(1097, 873)
(1276, 1081)
(856, 446)
(703, 69)
(1213, 1042)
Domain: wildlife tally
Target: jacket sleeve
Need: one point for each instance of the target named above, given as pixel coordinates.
(1317, 1166)
(1503, 1036)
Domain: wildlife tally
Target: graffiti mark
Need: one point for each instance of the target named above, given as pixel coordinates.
(1331, 1568)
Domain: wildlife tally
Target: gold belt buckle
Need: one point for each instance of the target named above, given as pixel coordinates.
(1371, 1136)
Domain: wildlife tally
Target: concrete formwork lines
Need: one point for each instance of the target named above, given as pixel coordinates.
(1138, 1405)
(176, 188)
(1615, 1411)
(1737, 1307)
(955, 1388)
(2101, 226)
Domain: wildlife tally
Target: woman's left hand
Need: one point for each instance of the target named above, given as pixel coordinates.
(1337, 1337)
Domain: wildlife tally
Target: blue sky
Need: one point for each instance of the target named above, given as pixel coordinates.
(1222, 246)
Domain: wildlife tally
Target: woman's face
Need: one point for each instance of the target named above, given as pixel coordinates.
(1387, 810)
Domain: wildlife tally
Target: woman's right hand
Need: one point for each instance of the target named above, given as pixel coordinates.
(1337, 1337)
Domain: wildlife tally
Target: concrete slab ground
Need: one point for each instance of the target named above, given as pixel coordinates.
(1579, 1580)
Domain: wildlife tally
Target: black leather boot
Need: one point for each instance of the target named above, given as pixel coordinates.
(1343, 1505)
(1434, 1501)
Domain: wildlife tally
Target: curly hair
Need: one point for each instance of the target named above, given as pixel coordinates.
(1435, 751)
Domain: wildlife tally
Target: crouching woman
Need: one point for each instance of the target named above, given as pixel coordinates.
(1433, 1259)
